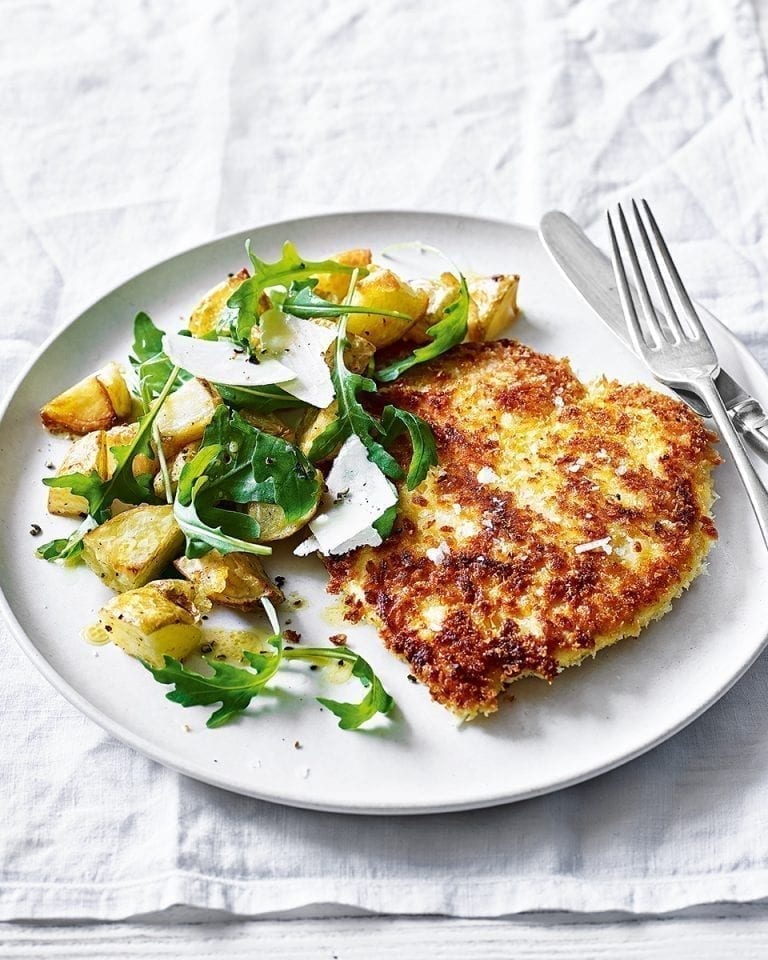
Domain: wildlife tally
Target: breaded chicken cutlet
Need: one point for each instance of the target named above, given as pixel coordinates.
(563, 517)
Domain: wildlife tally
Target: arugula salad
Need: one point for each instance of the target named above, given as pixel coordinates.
(246, 428)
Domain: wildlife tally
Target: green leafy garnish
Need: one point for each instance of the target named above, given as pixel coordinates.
(351, 715)
(235, 687)
(264, 399)
(302, 301)
(289, 268)
(237, 463)
(149, 360)
(122, 485)
(353, 418)
(394, 422)
(232, 687)
(446, 333)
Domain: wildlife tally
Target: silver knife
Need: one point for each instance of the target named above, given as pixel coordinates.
(590, 272)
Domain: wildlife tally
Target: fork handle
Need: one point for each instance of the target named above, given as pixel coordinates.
(758, 495)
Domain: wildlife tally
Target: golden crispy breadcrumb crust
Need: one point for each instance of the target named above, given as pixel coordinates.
(562, 518)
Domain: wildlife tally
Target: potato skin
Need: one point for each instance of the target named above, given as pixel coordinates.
(493, 303)
(268, 423)
(334, 286)
(123, 435)
(175, 465)
(440, 294)
(205, 317)
(85, 455)
(312, 424)
(133, 547)
(185, 415)
(271, 517)
(153, 621)
(111, 378)
(234, 580)
(383, 289)
(95, 403)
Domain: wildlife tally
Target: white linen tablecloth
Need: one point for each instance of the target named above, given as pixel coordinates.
(132, 131)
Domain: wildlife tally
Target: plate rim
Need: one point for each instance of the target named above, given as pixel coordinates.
(167, 758)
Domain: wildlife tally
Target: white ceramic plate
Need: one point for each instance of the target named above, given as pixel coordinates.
(610, 710)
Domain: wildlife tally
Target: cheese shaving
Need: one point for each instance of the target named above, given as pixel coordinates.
(603, 544)
(359, 494)
(300, 345)
(219, 362)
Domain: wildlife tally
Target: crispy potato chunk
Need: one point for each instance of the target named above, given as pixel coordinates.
(123, 436)
(493, 305)
(85, 455)
(175, 465)
(113, 381)
(185, 415)
(334, 286)
(157, 620)
(357, 353)
(441, 293)
(133, 547)
(312, 424)
(268, 423)
(95, 403)
(385, 290)
(205, 317)
(234, 580)
(272, 520)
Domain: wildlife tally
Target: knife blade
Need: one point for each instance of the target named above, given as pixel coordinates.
(590, 273)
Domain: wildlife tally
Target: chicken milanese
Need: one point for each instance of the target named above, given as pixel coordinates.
(564, 517)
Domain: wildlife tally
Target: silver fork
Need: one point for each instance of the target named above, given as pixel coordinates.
(677, 352)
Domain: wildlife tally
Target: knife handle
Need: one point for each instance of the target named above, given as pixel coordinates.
(752, 423)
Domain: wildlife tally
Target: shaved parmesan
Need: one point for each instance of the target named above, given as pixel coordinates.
(292, 353)
(438, 554)
(603, 544)
(217, 361)
(306, 547)
(301, 346)
(359, 494)
(487, 475)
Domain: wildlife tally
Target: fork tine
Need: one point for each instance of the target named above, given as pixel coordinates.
(651, 320)
(671, 318)
(695, 324)
(633, 322)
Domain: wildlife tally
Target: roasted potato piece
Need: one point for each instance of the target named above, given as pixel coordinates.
(86, 454)
(441, 293)
(234, 580)
(385, 290)
(175, 465)
(123, 436)
(357, 353)
(157, 620)
(268, 423)
(206, 315)
(134, 546)
(334, 286)
(112, 379)
(271, 518)
(312, 424)
(95, 403)
(185, 415)
(493, 305)
(358, 350)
